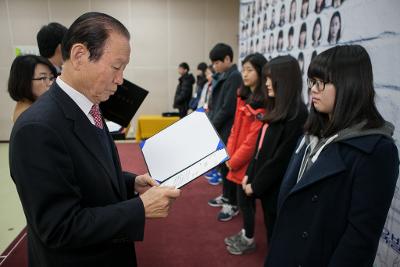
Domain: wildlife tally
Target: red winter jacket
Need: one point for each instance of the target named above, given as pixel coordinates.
(243, 138)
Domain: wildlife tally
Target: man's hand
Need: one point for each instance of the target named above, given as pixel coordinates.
(158, 200)
(144, 182)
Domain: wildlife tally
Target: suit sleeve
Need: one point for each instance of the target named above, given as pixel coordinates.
(275, 167)
(228, 107)
(373, 189)
(129, 179)
(43, 171)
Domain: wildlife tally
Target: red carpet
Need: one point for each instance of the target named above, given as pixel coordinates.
(190, 236)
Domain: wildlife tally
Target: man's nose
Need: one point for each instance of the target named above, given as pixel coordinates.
(119, 78)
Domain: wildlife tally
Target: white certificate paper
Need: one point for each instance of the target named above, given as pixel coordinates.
(184, 151)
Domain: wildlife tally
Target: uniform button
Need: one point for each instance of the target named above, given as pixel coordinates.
(304, 235)
(314, 198)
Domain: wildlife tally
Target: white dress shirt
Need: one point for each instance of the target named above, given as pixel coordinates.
(81, 100)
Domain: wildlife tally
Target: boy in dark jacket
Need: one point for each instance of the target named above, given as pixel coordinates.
(184, 89)
(222, 108)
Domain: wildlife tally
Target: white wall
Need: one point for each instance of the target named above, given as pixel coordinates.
(164, 34)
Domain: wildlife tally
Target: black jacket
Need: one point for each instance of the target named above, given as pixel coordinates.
(183, 93)
(79, 205)
(222, 105)
(268, 166)
(335, 214)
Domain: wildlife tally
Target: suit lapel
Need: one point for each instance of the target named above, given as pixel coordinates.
(116, 162)
(85, 133)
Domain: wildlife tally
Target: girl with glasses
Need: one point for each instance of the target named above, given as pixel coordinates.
(338, 187)
(30, 76)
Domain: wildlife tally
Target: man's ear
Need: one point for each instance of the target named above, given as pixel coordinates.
(227, 59)
(79, 55)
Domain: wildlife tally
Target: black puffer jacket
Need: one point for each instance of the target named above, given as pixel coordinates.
(183, 93)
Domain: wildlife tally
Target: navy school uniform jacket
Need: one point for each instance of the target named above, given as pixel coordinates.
(335, 214)
(79, 205)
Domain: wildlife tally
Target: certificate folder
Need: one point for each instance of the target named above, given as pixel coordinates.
(184, 150)
(122, 106)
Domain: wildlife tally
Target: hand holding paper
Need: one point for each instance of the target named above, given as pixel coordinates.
(144, 182)
(158, 200)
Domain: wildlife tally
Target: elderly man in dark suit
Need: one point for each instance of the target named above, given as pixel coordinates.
(81, 208)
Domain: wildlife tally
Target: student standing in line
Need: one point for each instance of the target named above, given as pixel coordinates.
(201, 80)
(222, 108)
(283, 125)
(207, 88)
(250, 109)
(184, 89)
(338, 187)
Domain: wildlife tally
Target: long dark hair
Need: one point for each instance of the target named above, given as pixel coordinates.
(284, 71)
(258, 61)
(349, 69)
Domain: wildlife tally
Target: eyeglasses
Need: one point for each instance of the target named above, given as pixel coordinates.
(44, 79)
(320, 84)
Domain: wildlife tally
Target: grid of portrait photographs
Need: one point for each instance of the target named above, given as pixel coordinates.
(301, 28)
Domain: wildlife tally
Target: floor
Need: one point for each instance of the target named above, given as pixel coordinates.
(190, 236)
(12, 219)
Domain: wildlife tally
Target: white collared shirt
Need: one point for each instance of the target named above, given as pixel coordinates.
(81, 100)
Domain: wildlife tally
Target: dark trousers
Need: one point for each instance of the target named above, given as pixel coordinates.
(269, 205)
(183, 112)
(228, 187)
(247, 207)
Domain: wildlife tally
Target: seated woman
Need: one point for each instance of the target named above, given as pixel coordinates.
(30, 76)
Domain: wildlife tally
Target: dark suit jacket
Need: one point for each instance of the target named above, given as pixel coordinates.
(79, 205)
(335, 214)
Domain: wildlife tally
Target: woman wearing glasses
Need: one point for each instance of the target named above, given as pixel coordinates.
(30, 77)
(338, 187)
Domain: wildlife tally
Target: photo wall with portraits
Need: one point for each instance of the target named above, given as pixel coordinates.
(304, 28)
(301, 28)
